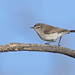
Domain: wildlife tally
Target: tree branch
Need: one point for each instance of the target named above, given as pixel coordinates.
(37, 47)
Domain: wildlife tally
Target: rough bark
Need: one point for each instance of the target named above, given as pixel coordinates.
(37, 47)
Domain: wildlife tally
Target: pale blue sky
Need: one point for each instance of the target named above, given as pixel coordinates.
(16, 18)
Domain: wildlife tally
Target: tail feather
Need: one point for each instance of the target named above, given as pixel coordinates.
(72, 30)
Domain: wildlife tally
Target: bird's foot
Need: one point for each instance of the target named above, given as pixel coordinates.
(59, 45)
(47, 44)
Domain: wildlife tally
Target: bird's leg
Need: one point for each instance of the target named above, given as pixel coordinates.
(59, 41)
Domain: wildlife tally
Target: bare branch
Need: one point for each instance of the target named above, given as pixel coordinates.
(37, 47)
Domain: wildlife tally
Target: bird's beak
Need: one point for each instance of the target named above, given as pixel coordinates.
(32, 27)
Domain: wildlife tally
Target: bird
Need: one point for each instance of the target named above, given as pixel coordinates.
(49, 32)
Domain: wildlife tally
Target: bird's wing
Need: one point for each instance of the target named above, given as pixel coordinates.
(50, 29)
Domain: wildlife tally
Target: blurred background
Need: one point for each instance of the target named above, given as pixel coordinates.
(16, 18)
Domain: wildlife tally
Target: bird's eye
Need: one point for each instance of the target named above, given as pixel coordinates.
(38, 27)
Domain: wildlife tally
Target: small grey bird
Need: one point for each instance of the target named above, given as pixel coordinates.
(50, 33)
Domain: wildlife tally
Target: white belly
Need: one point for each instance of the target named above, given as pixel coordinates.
(53, 36)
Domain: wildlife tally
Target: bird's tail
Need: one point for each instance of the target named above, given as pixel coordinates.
(72, 30)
